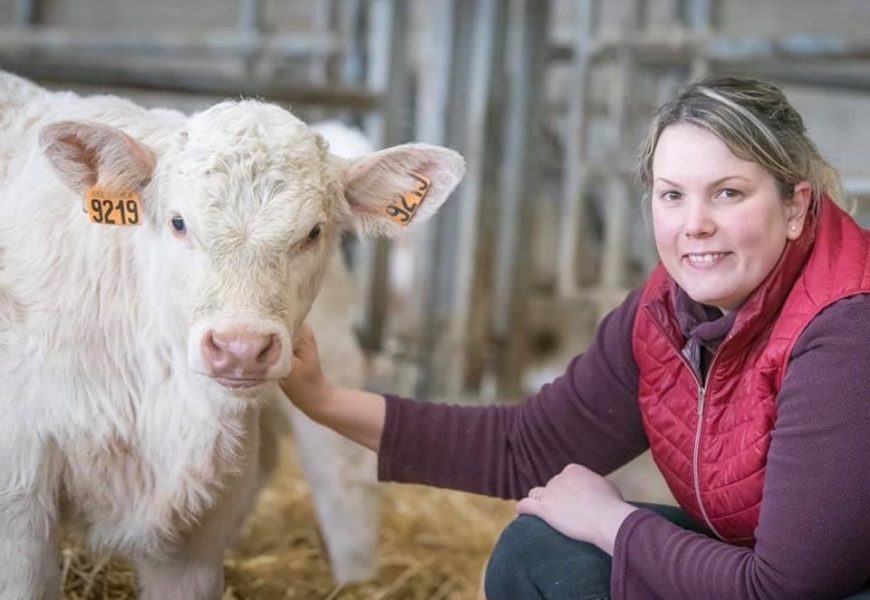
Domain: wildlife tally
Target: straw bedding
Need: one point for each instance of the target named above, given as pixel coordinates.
(434, 544)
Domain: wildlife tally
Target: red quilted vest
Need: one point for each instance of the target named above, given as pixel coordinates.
(711, 444)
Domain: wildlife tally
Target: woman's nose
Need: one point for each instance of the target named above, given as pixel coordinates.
(699, 220)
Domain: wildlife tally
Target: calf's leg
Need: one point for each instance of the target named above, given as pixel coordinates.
(29, 557)
(346, 498)
(194, 570)
(186, 577)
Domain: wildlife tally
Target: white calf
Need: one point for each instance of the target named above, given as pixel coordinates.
(140, 341)
(342, 474)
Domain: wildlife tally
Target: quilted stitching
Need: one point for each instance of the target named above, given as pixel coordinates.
(736, 431)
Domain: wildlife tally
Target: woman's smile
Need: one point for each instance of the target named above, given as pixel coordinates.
(706, 260)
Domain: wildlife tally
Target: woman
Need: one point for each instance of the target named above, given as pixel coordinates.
(742, 363)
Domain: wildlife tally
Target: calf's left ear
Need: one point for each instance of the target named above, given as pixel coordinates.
(401, 186)
(86, 154)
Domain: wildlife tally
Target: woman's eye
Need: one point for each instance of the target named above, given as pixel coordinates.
(314, 233)
(670, 195)
(178, 224)
(729, 193)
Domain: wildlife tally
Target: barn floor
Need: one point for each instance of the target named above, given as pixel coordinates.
(433, 546)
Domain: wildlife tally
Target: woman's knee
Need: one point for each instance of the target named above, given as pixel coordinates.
(508, 571)
(518, 542)
(532, 560)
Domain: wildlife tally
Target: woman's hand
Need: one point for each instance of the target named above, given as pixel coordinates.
(355, 414)
(581, 505)
(306, 385)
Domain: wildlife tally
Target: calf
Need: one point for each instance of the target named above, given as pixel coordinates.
(153, 270)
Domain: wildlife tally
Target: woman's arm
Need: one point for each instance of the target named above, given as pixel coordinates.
(355, 414)
(813, 538)
(589, 415)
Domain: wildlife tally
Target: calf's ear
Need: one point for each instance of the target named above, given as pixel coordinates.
(402, 186)
(86, 154)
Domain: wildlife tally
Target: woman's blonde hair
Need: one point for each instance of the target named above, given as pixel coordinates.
(757, 123)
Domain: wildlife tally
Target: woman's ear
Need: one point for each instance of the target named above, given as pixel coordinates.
(797, 208)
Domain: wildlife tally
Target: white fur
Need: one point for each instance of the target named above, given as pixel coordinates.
(109, 422)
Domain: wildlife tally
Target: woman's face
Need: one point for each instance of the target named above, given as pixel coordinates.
(720, 222)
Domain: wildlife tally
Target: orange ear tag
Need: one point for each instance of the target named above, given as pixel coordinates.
(403, 209)
(107, 207)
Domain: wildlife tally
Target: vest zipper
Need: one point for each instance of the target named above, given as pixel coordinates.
(696, 452)
(696, 448)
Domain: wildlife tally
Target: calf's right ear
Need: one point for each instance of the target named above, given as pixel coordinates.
(400, 186)
(86, 154)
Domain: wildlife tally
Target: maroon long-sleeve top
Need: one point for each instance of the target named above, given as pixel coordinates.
(813, 537)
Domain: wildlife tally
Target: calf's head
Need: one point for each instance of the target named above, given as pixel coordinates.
(241, 208)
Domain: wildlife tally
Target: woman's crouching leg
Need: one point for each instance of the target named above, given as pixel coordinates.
(533, 561)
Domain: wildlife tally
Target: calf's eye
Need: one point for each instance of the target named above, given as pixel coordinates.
(314, 233)
(178, 224)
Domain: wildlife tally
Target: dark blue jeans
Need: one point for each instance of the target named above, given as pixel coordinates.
(532, 561)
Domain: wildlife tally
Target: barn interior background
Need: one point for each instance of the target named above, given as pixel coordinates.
(548, 100)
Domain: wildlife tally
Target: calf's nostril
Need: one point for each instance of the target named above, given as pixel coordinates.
(212, 347)
(270, 351)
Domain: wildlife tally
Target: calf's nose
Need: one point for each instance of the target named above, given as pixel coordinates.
(240, 353)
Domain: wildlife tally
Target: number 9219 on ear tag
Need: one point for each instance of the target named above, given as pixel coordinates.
(403, 209)
(113, 207)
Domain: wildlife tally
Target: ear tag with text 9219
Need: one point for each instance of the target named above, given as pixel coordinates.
(403, 209)
(112, 207)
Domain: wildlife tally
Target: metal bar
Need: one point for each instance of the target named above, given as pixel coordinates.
(453, 255)
(250, 15)
(700, 15)
(617, 216)
(26, 13)
(433, 102)
(526, 55)
(250, 23)
(661, 15)
(617, 219)
(469, 323)
(323, 18)
(233, 42)
(388, 73)
(321, 69)
(572, 213)
(636, 17)
(352, 17)
(380, 23)
(193, 82)
(678, 45)
(701, 24)
(824, 76)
